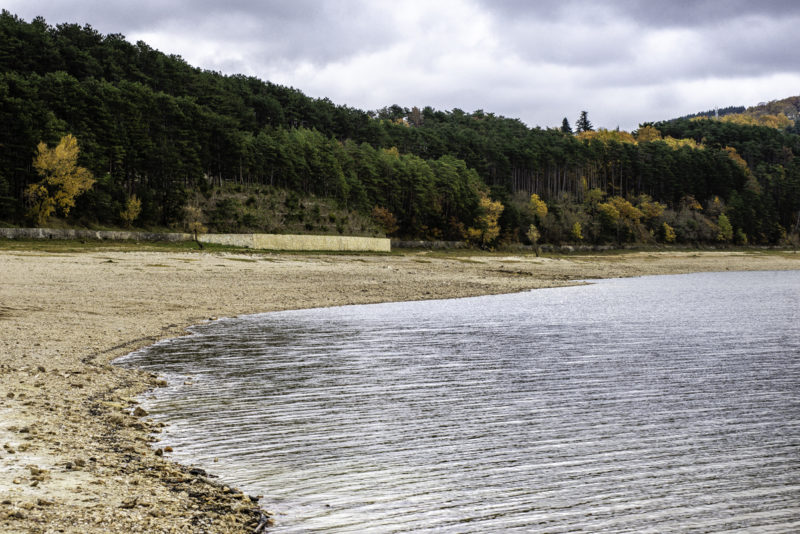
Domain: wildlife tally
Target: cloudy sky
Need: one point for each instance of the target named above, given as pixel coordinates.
(625, 61)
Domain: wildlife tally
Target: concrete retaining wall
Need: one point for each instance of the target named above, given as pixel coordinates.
(300, 242)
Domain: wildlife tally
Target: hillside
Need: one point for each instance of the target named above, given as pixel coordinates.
(237, 153)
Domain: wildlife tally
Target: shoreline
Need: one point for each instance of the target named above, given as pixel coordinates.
(75, 458)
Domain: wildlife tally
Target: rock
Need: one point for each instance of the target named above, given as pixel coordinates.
(159, 452)
(44, 502)
(140, 412)
(79, 462)
(116, 419)
(168, 449)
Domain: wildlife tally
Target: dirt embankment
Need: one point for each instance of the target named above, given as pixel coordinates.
(75, 454)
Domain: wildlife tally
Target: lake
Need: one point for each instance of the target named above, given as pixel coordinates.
(654, 404)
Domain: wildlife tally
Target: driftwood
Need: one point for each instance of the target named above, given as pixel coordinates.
(264, 521)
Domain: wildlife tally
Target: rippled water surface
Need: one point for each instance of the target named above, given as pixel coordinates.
(658, 404)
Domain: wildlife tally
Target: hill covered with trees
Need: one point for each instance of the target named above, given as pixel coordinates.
(171, 145)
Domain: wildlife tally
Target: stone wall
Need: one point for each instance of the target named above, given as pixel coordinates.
(401, 243)
(100, 235)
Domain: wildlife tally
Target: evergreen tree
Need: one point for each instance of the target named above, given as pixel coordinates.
(583, 124)
(565, 127)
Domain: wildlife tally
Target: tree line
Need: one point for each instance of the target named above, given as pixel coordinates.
(153, 128)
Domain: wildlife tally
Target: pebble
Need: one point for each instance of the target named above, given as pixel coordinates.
(139, 412)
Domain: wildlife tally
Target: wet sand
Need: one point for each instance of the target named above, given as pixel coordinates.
(75, 452)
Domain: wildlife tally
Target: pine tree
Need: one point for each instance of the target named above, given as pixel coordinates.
(565, 127)
(583, 124)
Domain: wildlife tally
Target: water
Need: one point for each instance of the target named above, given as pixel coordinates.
(658, 404)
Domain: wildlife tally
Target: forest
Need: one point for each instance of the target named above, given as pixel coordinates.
(172, 146)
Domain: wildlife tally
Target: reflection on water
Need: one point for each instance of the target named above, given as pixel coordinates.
(660, 404)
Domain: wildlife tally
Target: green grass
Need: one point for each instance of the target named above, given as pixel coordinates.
(465, 255)
(58, 246)
(66, 246)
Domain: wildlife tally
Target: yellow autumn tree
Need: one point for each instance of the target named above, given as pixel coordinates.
(576, 232)
(538, 207)
(133, 207)
(620, 214)
(607, 136)
(668, 233)
(62, 180)
(486, 228)
(534, 235)
(650, 209)
(778, 121)
(737, 159)
(676, 144)
(648, 134)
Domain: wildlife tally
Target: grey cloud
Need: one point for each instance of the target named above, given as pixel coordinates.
(740, 38)
(649, 13)
(305, 30)
(566, 45)
(693, 13)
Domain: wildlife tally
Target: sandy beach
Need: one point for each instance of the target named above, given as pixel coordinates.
(75, 447)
